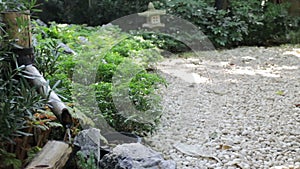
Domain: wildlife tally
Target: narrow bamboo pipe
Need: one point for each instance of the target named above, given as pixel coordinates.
(56, 105)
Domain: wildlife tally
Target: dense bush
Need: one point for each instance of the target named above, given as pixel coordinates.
(243, 23)
(18, 101)
(92, 12)
(104, 48)
(267, 25)
(141, 88)
(50, 59)
(165, 41)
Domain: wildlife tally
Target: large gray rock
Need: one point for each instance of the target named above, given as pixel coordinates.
(90, 141)
(135, 156)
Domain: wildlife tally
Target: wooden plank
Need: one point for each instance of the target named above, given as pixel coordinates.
(54, 155)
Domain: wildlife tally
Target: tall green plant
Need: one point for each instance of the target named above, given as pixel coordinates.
(18, 101)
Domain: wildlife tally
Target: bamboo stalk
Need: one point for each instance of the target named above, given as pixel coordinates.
(56, 105)
(18, 27)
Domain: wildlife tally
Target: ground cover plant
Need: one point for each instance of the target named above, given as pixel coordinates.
(104, 49)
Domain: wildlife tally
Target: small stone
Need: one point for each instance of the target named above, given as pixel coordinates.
(185, 163)
(236, 148)
(244, 165)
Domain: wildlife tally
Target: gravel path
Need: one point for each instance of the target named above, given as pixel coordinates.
(231, 109)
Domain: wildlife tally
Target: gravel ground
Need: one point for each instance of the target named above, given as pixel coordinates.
(231, 109)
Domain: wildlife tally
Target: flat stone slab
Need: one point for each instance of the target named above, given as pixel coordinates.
(135, 156)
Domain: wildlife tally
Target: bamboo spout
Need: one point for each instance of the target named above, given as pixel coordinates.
(56, 105)
(18, 28)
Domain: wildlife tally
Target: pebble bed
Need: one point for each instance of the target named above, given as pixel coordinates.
(243, 114)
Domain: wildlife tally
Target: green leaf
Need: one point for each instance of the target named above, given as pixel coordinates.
(280, 92)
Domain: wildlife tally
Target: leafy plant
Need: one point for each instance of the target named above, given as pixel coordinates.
(18, 5)
(141, 88)
(9, 159)
(244, 23)
(221, 28)
(104, 49)
(32, 153)
(164, 41)
(141, 92)
(51, 60)
(18, 101)
(83, 163)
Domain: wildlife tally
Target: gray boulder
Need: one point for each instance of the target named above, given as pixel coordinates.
(90, 141)
(135, 156)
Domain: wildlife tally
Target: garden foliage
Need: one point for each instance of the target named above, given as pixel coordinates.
(91, 12)
(18, 101)
(243, 23)
(99, 52)
(60, 50)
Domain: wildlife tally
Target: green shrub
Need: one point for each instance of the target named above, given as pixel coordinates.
(141, 88)
(220, 27)
(92, 12)
(142, 95)
(18, 100)
(266, 25)
(108, 66)
(83, 162)
(165, 42)
(107, 48)
(244, 23)
(50, 58)
(131, 44)
(294, 37)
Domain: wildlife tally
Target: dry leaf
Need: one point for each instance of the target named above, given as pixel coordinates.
(225, 147)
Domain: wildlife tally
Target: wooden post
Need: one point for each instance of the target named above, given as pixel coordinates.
(54, 155)
(19, 29)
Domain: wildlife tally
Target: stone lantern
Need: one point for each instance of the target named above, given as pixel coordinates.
(153, 17)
